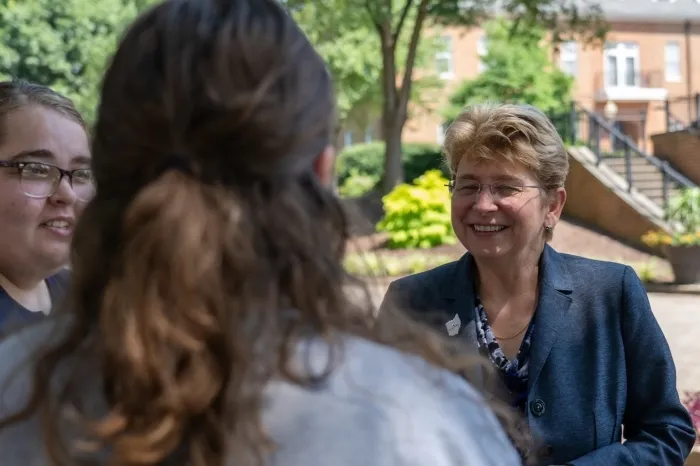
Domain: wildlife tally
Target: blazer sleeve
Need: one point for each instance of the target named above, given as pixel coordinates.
(395, 297)
(657, 427)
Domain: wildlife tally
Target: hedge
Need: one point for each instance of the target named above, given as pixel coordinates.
(368, 159)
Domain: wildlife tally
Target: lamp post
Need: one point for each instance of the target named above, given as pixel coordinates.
(610, 111)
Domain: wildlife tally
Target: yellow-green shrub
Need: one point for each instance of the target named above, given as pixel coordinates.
(418, 215)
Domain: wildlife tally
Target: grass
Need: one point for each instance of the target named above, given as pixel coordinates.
(378, 264)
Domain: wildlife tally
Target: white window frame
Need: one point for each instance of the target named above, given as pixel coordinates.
(481, 51)
(568, 57)
(622, 51)
(440, 133)
(670, 74)
(445, 54)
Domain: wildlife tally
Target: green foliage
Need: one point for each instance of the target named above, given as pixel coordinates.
(342, 33)
(62, 44)
(683, 213)
(339, 31)
(376, 265)
(368, 159)
(646, 272)
(418, 215)
(357, 184)
(518, 70)
(684, 209)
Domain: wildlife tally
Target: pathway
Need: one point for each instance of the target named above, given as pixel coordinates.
(679, 317)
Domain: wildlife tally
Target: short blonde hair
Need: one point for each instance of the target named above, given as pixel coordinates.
(511, 132)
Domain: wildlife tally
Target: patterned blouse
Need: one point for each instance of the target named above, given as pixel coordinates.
(513, 372)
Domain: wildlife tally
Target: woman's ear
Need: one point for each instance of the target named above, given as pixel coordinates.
(324, 165)
(557, 199)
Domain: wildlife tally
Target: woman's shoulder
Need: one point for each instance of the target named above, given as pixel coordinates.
(18, 350)
(594, 271)
(382, 406)
(436, 276)
(59, 283)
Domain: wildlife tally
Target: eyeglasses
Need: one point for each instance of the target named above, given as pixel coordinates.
(41, 180)
(498, 191)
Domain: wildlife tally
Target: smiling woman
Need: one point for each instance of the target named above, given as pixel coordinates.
(557, 327)
(45, 181)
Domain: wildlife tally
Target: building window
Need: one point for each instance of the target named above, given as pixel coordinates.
(481, 50)
(443, 58)
(621, 64)
(568, 58)
(441, 129)
(672, 61)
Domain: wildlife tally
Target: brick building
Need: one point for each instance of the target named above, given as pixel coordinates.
(649, 64)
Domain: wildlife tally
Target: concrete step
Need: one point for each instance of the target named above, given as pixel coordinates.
(635, 164)
(642, 177)
(646, 178)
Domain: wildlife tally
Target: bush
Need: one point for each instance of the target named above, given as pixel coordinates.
(368, 159)
(357, 184)
(684, 212)
(375, 265)
(418, 215)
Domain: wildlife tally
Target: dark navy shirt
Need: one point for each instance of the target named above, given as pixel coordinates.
(14, 315)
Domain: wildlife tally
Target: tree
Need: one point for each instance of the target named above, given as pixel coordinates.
(62, 44)
(563, 18)
(344, 37)
(518, 69)
(341, 36)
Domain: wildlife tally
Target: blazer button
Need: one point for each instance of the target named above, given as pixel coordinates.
(546, 451)
(537, 408)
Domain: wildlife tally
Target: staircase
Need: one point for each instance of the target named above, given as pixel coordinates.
(646, 178)
(642, 174)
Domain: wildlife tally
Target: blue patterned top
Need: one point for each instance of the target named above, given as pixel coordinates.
(513, 372)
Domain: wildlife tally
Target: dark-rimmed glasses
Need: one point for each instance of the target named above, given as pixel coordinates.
(40, 180)
(499, 191)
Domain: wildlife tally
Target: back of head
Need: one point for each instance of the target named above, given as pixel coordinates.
(211, 247)
(208, 222)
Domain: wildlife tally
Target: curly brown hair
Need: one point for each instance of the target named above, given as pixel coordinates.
(180, 279)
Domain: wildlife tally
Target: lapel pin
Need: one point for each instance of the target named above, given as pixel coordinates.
(453, 325)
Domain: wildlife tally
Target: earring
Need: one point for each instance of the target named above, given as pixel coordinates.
(548, 228)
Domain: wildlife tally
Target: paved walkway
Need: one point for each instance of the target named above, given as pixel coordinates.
(679, 317)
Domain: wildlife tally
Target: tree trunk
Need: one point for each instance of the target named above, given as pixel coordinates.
(395, 108)
(393, 160)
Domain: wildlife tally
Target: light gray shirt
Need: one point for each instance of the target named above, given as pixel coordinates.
(379, 407)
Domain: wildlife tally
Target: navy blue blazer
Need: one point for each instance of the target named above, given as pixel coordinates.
(599, 360)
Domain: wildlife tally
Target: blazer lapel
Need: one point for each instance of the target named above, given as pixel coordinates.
(552, 310)
(459, 295)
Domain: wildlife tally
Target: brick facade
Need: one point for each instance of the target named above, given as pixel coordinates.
(650, 40)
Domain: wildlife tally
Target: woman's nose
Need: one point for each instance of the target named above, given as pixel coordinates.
(484, 200)
(64, 192)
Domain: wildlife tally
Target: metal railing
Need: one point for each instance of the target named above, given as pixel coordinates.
(631, 78)
(586, 128)
(682, 112)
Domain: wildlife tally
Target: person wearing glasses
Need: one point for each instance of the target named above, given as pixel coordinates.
(574, 340)
(45, 181)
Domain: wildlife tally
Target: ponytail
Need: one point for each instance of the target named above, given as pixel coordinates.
(160, 315)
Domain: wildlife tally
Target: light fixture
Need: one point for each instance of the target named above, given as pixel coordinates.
(610, 110)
